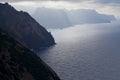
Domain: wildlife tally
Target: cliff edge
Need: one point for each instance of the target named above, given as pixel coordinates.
(19, 63)
(24, 28)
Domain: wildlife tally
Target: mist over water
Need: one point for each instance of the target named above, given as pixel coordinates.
(66, 18)
(86, 52)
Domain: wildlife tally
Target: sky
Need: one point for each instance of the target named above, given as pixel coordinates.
(67, 18)
(69, 12)
(110, 7)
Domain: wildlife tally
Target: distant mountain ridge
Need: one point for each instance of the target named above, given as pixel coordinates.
(19, 63)
(52, 18)
(62, 18)
(24, 28)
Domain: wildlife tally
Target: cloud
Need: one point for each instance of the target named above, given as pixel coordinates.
(99, 5)
(96, 1)
(108, 1)
(61, 18)
(44, 0)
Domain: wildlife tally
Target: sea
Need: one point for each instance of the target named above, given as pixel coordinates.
(85, 52)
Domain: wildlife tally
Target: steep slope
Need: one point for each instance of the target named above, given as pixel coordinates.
(24, 28)
(19, 63)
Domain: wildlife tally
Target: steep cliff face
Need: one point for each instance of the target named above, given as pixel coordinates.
(24, 28)
(18, 63)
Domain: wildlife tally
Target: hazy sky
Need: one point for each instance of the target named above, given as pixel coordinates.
(111, 7)
(66, 18)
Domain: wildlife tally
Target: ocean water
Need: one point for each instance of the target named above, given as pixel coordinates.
(85, 52)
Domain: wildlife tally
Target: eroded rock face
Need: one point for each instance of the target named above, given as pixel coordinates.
(19, 63)
(24, 28)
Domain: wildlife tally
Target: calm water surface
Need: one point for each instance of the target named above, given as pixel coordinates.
(85, 52)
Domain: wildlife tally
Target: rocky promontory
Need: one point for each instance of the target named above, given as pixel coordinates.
(19, 63)
(21, 26)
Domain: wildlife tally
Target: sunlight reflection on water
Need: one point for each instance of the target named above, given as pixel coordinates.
(86, 52)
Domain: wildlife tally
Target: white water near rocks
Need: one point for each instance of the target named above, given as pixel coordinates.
(85, 52)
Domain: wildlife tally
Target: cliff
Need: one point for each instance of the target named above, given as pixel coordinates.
(24, 28)
(19, 63)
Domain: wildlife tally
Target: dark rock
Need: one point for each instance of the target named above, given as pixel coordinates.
(24, 28)
(19, 63)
